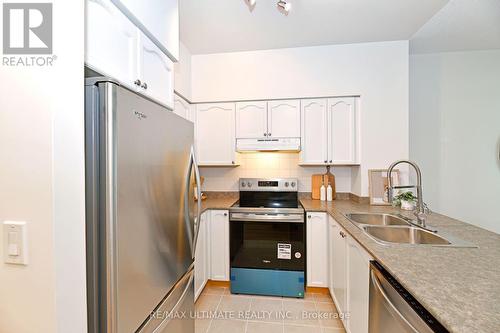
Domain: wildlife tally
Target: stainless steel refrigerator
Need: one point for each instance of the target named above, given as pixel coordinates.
(141, 216)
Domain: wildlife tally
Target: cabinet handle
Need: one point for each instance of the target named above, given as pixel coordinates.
(265, 134)
(137, 82)
(331, 161)
(308, 216)
(225, 214)
(342, 234)
(144, 85)
(268, 134)
(326, 161)
(232, 162)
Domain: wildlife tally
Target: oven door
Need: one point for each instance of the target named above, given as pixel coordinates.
(267, 241)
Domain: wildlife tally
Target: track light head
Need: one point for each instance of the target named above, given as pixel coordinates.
(284, 6)
(251, 3)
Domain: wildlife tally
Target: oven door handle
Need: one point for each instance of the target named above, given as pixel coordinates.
(294, 218)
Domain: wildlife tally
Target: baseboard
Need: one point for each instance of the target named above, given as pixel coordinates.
(213, 283)
(318, 290)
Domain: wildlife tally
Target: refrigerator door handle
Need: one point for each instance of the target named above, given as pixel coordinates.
(197, 221)
(193, 236)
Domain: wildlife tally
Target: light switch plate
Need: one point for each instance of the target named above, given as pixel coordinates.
(15, 249)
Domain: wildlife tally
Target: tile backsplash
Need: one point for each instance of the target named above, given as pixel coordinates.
(270, 165)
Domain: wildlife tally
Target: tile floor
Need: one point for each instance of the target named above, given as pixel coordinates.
(220, 312)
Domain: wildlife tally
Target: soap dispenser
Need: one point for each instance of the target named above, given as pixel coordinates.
(329, 193)
(322, 192)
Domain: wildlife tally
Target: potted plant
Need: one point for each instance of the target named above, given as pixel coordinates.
(405, 200)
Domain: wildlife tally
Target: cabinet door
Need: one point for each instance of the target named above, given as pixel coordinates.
(314, 131)
(159, 18)
(201, 267)
(339, 267)
(182, 107)
(110, 42)
(342, 130)
(219, 245)
(283, 119)
(358, 287)
(332, 228)
(156, 71)
(317, 249)
(215, 134)
(251, 120)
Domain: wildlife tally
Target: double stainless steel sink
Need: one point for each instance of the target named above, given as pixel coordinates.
(387, 229)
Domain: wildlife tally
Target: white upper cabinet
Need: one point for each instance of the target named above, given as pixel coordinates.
(317, 250)
(330, 131)
(116, 48)
(110, 42)
(159, 19)
(314, 131)
(251, 120)
(342, 141)
(156, 72)
(183, 108)
(283, 119)
(215, 134)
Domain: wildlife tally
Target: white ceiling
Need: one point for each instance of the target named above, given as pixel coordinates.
(212, 26)
(461, 25)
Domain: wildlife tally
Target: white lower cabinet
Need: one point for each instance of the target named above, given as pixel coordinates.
(349, 278)
(219, 245)
(202, 257)
(358, 287)
(338, 266)
(317, 248)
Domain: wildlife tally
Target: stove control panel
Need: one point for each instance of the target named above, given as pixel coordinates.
(269, 185)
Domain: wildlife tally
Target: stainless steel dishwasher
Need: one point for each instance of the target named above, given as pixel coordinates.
(393, 309)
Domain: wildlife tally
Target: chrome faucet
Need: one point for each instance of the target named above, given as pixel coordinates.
(421, 211)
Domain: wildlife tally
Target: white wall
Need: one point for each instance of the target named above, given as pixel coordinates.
(378, 72)
(182, 72)
(42, 182)
(455, 133)
(270, 165)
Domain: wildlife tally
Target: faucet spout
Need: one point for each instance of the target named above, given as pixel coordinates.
(420, 212)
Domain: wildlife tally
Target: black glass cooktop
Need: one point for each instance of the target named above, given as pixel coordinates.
(269, 199)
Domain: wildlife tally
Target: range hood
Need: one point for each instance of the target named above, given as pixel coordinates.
(275, 144)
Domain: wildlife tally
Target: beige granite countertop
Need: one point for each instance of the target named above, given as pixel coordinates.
(222, 200)
(459, 286)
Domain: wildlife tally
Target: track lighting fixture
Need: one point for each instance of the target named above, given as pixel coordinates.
(284, 6)
(251, 4)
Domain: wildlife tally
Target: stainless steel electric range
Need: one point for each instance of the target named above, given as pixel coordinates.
(267, 239)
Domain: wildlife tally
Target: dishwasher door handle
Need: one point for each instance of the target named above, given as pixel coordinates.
(390, 306)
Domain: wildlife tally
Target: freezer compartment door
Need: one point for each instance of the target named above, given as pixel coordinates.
(176, 313)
